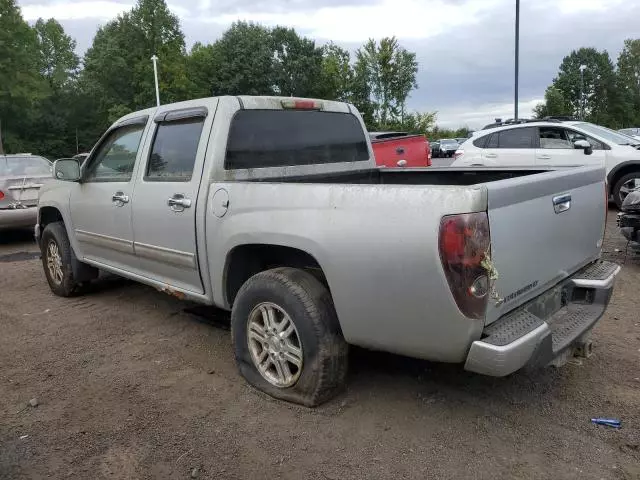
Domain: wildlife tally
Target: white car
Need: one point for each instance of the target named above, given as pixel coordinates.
(557, 143)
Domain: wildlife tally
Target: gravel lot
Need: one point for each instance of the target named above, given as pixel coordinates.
(131, 383)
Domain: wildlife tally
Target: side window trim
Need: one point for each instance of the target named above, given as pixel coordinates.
(181, 114)
(140, 120)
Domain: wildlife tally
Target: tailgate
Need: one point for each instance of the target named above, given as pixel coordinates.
(20, 191)
(406, 151)
(544, 227)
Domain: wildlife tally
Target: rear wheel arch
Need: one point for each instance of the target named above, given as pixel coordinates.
(244, 261)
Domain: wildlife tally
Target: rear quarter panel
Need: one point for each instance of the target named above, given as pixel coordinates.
(377, 246)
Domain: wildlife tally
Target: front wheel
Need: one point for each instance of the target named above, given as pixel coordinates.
(286, 337)
(624, 186)
(56, 260)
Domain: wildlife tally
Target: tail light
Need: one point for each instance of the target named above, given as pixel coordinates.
(428, 154)
(464, 243)
(1, 195)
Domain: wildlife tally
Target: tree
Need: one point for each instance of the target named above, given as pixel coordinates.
(58, 60)
(390, 71)
(361, 92)
(21, 86)
(118, 70)
(628, 83)
(599, 98)
(297, 64)
(405, 78)
(337, 73)
(554, 104)
(202, 65)
(245, 57)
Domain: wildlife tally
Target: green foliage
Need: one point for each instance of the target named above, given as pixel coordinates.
(244, 61)
(337, 75)
(554, 104)
(21, 85)
(390, 70)
(44, 90)
(58, 60)
(628, 83)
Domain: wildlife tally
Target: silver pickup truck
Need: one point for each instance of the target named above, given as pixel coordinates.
(272, 208)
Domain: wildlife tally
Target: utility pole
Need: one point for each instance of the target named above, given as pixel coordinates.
(517, 59)
(582, 69)
(155, 75)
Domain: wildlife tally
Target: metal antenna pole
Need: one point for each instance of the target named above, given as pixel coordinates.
(155, 75)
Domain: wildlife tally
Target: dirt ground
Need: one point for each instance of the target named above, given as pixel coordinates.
(131, 383)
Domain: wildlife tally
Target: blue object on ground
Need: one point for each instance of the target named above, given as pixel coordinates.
(609, 422)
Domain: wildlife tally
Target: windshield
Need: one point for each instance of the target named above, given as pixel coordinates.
(447, 141)
(630, 131)
(19, 166)
(607, 134)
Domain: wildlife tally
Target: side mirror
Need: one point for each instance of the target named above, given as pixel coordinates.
(583, 145)
(67, 169)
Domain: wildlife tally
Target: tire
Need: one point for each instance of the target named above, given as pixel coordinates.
(620, 183)
(308, 305)
(54, 239)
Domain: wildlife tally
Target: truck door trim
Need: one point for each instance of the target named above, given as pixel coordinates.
(165, 255)
(105, 241)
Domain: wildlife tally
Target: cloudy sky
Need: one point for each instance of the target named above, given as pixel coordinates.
(464, 47)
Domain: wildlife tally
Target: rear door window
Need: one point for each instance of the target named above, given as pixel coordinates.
(174, 149)
(277, 138)
(516, 138)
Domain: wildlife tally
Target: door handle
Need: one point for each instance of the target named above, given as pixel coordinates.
(119, 198)
(178, 202)
(544, 157)
(491, 155)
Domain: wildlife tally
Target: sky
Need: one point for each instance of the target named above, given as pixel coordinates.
(465, 48)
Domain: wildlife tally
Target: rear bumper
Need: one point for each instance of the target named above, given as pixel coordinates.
(531, 337)
(18, 218)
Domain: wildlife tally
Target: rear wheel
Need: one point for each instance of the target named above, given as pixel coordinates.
(624, 186)
(56, 260)
(286, 337)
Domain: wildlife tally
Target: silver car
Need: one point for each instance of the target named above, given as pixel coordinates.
(21, 177)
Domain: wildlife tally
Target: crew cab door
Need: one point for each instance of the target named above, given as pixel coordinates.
(100, 204)
(166, 190)
(556, 148)
(510, 148)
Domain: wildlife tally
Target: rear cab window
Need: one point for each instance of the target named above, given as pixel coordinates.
(282, 138)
